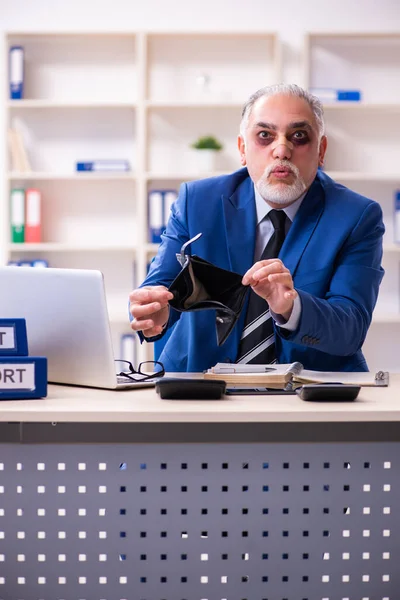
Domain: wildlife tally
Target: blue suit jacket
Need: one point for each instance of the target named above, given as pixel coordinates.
(333, 251)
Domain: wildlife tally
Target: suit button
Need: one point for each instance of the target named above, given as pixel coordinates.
(305, 339)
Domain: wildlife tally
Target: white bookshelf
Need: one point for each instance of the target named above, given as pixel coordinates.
(359, 176)
(204, 68)
(141, 96)
(364, 149)
(49, 104)
(365, 107)
(56, 247)
(43, 176)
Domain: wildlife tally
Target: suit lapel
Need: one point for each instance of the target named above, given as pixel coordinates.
(240, 225)
(303, 227)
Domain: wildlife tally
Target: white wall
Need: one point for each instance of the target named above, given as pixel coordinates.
(290, 18)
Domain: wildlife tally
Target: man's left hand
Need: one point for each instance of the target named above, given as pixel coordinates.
(271, 280)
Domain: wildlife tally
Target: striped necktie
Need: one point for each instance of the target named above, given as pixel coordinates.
(257, 344)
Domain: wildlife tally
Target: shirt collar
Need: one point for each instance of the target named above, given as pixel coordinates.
(263, 208)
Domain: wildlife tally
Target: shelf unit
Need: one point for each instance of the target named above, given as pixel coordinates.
(140, 96)
(364, 149)
(145, 96)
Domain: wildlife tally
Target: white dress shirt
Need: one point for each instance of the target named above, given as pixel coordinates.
(265, 229)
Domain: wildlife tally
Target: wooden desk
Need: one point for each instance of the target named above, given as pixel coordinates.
(123, 495)
(68, 403)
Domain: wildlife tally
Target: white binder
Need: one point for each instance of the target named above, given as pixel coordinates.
(155, 216)
(16, 73)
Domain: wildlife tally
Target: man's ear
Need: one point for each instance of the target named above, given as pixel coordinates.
(322, 149)
(242, 150)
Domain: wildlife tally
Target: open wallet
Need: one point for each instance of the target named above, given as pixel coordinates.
(201, 285)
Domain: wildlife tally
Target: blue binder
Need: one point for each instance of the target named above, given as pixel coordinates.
(169, 197)
(16, 72)
(334, 95)
(23, 377)
(40, 263)
(396, 217)
(13, 338)
(109, 165)
(128, 347)
(155, 215)
(349, 95)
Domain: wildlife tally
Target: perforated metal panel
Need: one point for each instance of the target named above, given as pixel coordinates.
(199, 522)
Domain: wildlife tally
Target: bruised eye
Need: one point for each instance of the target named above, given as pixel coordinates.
(265, 136)
(300, 136)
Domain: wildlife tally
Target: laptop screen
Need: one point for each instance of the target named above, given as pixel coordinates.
(66, 319)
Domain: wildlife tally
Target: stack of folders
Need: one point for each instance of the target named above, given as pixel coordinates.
(159, 209)
(25, 216)
(38, 263)
(289, 375)
(21, 375)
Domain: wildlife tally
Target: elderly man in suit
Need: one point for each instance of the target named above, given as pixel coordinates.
(314, 295)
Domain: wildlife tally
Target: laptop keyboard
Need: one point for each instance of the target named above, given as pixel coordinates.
(125, 380)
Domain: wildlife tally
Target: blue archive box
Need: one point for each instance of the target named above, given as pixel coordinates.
(23, 377)
(13, 338)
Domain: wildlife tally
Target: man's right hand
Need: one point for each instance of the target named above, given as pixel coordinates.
(149, 309)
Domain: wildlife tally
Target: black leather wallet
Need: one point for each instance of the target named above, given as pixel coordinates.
(201, 285)
(174, 388)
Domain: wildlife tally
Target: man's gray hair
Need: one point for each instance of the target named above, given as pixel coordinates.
(284, 89)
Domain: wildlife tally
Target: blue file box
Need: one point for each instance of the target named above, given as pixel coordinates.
(23, 377)
(13, 338)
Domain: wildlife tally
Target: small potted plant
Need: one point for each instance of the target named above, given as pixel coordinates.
(206, 150)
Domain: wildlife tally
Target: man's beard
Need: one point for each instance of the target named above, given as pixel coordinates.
(281, 192)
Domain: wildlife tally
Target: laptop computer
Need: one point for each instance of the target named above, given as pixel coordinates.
(67, 321)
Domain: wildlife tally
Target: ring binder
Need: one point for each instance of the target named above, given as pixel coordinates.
(16, 57)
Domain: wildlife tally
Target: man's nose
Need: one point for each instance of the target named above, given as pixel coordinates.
(282, 149)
